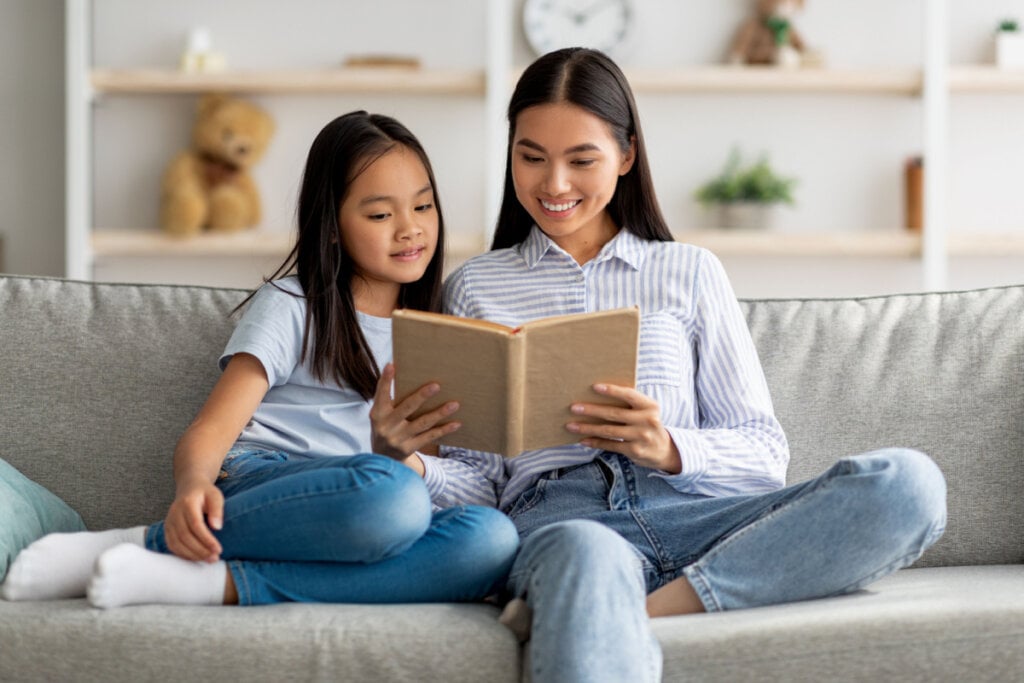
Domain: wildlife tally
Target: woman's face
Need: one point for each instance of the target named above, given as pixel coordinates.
(389, 227)
(565, 167)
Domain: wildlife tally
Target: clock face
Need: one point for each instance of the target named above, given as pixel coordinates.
(600, 24)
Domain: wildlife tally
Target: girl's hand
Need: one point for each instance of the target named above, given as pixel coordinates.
(185, 528)
(394, 434)
(635, 431)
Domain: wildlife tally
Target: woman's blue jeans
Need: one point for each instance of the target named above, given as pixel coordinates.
(355, 529)
(599, 537)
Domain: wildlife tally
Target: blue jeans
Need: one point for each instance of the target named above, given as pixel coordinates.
(355, 529)
(599, 537)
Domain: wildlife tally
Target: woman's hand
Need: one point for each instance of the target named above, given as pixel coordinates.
(394, 434)
(185, 528)
(634, 431)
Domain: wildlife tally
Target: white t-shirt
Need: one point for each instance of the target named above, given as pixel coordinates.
(301, 415)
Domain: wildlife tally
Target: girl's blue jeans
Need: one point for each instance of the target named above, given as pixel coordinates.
(355, 529)
(599, 537)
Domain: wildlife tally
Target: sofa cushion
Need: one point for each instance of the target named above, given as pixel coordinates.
(939, 372)
(931, 624)
(28, 512)
(100, 381)
(67, 641)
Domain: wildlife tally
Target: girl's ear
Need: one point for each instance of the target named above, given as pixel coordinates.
(629, 158)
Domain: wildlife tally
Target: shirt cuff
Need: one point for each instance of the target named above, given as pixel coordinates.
(433, 475)
(692, 454)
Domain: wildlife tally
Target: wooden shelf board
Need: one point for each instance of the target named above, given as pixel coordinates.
(985, 244)
(780, 243)
(390, 80)
(114, 243)
(863, 244)
(156, 243)
(985, 79)
(747, 79)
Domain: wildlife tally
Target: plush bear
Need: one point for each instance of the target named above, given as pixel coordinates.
(209, 186)
(769, 37)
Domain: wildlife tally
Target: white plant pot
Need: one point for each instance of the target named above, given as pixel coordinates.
(1009, 49)
(746, 216)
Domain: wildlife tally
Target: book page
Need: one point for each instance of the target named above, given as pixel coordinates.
(565, 357)
(469, 359)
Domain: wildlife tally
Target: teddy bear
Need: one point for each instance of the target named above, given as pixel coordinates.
(769, 37)
(208, 186)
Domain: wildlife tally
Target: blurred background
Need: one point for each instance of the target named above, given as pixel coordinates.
(97, 97)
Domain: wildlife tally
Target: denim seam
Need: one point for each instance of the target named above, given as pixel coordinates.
(538, 495)
(242, 586)
(699, 583)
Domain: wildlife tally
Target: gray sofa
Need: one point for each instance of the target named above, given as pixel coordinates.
(97, 381)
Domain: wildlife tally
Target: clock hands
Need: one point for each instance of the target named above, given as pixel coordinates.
(580, 17)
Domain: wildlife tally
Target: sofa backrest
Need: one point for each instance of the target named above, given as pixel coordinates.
(939, 372)
(98, 381)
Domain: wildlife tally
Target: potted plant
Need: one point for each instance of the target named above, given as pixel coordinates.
(744, 197)
(1009, 45)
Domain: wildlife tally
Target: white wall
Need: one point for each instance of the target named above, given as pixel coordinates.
(847, 151)
(32, 136)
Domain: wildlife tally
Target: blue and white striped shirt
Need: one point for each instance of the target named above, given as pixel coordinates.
(696, 359)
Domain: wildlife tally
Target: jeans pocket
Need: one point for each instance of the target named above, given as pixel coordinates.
(528, 500)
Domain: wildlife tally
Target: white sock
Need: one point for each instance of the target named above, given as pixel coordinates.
(58, 566)
(130, 575)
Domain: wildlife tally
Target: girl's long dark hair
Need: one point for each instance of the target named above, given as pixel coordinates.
(591, 80)
(333, 338)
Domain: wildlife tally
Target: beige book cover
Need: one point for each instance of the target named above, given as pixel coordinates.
(514, 385)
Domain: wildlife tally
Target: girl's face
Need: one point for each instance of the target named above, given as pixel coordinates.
(565, 167)
(389, 228)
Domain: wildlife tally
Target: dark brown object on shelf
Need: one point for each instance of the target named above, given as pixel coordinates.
(383, 61)
(913, 186)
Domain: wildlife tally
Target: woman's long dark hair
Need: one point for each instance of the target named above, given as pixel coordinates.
(591, 80)
(342, 150)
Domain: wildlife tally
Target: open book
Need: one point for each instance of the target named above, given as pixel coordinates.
(514, 385)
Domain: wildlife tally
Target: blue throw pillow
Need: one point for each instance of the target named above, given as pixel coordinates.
(28, 512)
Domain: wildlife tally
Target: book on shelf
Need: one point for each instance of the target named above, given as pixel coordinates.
(514, 385)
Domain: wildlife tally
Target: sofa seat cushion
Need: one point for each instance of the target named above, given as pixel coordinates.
(942, 624)
(70, 641)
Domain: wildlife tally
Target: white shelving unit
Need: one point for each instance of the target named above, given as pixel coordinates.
(934, 83)
(84, 84)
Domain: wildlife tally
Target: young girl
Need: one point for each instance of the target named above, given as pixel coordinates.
(675, 503)
(265, 510)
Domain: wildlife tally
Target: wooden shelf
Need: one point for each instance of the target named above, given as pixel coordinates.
(779, 243)
(985, 244)
(700, 79)
(683, 80)
(390, 80)
(139, 243)
(120, 243)
(747, 79)
(899, 244)
(986, 79)
(156, 243)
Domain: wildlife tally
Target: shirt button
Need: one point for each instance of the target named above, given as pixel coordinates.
(579, 278)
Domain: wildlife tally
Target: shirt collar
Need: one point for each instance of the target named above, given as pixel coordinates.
(625, 246)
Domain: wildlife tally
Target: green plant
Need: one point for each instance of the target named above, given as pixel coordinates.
(1008, 26)
(756, 183)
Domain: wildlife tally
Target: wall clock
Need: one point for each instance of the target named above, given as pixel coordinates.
(600, 24)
